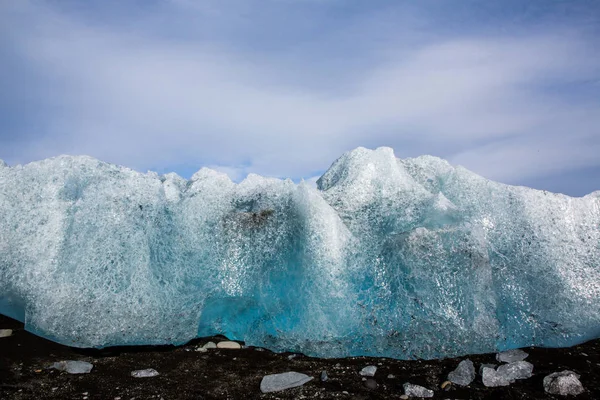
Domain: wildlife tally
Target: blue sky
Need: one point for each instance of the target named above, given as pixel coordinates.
(509, 89)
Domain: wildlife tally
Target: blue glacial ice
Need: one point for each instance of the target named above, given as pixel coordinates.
(387, 257)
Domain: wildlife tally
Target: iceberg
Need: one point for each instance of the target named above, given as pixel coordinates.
(403, 258)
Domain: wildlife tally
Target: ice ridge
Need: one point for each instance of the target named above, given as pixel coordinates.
(390, 257)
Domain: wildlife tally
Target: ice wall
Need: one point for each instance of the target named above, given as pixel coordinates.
(389, 257)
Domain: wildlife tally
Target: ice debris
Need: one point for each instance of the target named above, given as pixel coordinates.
(425, 259)
(482, 366)
(144, 373)
(73, 367)
(491, 378)
(564, 383)
(506, 374)
(464, 374)
(286, 380)
(511, 356)
(368, 370)
(412, 390)
(516, 370)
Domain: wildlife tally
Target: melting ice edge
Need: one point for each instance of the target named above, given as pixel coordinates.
(388, 257)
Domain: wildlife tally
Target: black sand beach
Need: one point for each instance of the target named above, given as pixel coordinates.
(236, 374)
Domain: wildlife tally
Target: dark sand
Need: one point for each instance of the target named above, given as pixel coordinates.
(236, 374)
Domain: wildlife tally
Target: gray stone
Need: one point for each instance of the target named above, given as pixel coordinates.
(516, 370)
(511, 356)
(464, 374)
(491, 378)
(368, 371)
(5, 333)
(286, 380)
(227, 344)
(370, 384)
(492, 366)
(563, 383)
(145, 373)
(324, 376)
(416, 391)
(73, 367)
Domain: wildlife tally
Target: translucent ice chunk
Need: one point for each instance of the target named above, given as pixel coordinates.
(398, 258)
(368, 370)
(73, 367)
(144, 373)
(492, 378)
(516, 370)
(286, 380)
(412, 390)
(464, 374)
(511, 356)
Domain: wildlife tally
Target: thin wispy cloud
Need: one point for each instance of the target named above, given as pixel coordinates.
(284, 89)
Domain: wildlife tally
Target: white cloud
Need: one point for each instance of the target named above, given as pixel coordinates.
(133, 98)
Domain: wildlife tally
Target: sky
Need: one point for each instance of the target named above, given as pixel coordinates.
(508, 89)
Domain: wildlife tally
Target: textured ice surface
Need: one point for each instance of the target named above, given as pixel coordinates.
(510, 356)
(516, 370)
(412, 390)
(144, 373)
(388, 257)
(492, 378)
(73, 367)
(564, 383)
(464, 374)
(368, 371)
(286, 380)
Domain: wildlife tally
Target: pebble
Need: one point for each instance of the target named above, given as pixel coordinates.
(563, 383)
(229, 345)
(371, 384)
(416, 391)
(390, 376)
(73, 367)
(145, 373)
(5, 333)
(209, 345)
(404, 397)
(446, 385)
(324, 376)
(368, 371)
(584, 354)
(511, 356)
(286, 380)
